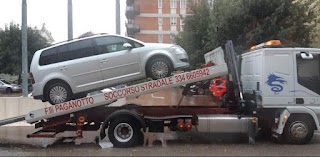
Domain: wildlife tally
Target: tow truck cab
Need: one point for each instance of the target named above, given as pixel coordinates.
(286, 82)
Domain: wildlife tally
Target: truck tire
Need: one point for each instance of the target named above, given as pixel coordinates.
(298, 130)
(124, 132)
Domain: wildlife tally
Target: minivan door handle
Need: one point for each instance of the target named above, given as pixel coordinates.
(104, 60)
(64, 68)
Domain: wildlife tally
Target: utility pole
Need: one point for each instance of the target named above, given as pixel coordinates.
(24, 49)
(70, 20)
(118, 17)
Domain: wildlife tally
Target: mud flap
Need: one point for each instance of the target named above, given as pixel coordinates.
(252, 131)
(282, 119)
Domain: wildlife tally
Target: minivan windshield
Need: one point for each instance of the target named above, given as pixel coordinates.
(6, 82)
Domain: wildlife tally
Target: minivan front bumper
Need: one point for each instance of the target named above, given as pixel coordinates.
(39, 97)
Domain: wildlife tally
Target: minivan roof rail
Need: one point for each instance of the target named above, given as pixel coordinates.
(79, 38)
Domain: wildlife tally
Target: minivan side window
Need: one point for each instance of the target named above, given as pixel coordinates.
(308, 71)
(113, 44)
(70, 51)
(76, 50)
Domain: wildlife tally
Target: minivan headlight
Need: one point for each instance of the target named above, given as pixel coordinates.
(178, 50)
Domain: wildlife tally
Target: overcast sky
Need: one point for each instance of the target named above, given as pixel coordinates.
(97, 16)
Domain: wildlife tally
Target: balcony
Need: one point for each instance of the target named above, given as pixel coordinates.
(132, 29)
(132, 11)
(130, 2)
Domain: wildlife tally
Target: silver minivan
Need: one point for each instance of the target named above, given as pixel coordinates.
(71, 69)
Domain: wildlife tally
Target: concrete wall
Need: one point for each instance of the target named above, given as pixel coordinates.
(16, 106)
(9, 77)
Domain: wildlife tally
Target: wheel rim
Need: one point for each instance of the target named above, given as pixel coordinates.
(160, 69)
(58, 94)
(123, 132)
(299, 130)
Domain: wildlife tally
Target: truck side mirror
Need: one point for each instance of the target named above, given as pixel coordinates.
(306, 55)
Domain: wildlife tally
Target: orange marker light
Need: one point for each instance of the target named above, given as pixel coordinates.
(253, 47)
(273, 42)
(269, 43)
(180, 126)
(188, 126)
(81, 119)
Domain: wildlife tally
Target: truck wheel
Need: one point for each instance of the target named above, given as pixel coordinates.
(141, 138)
(298, 130)
(123, 133)
(159, 68)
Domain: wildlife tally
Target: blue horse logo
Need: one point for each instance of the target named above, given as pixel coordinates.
(276, 83)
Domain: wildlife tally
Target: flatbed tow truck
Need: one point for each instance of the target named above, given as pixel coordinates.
(124, 124)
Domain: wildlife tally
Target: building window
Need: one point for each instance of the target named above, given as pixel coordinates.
(173, 21)
(172, 38)
(160, 38)
(181, 25)
(173, 3)
(181, 22)
(160, 21)
(159, 3)
(183, 4)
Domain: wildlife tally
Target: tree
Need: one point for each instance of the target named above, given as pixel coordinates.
(194, 37)
(86, 34)
(10, 47)
(250, 22)
(247, 23)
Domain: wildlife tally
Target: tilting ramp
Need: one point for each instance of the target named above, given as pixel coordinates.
(134, 90)
(12, 120)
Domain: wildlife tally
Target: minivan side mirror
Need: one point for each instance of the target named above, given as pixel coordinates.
(306, 55)
(127, 45)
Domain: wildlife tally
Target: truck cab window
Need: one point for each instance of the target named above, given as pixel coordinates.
(308, 72)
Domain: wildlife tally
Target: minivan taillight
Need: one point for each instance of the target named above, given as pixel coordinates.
(31, 78)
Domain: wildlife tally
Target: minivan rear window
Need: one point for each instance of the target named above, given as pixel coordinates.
(49, 57)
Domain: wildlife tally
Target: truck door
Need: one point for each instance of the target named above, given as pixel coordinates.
(307, 79)
(277, 78)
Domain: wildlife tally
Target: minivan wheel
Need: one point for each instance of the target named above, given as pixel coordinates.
(159, 68)
(58, 93)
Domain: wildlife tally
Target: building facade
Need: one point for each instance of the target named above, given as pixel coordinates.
(156, 21)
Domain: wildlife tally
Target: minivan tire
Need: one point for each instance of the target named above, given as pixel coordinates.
(157, 63)
(64, 92)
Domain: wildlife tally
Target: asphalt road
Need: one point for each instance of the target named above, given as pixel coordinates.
(14, 143)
